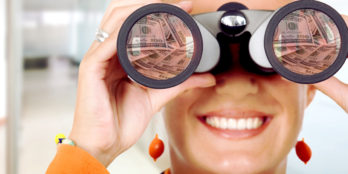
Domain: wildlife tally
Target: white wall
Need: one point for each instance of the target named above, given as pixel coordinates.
(2, 58)
(66, 30)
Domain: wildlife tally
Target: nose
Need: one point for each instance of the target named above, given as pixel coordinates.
(237, 82)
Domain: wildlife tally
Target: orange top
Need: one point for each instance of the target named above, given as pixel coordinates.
(72, 159)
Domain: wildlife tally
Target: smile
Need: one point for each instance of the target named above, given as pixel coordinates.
(233, 126)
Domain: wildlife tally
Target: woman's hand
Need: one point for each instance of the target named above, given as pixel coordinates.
(334, 88)
(112, 112)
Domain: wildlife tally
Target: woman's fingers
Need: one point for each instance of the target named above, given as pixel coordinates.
(336, 90)
(159, 97)
(113, 24)
(114, 21)
(117, 14)
(101, 54)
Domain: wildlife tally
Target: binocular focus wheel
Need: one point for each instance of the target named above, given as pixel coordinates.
(232, 6)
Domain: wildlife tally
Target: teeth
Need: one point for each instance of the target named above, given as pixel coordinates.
(223, 123)
(234, 124)
(249, 123)
(241, 124)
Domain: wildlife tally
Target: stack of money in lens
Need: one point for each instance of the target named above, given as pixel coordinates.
(307, 42)
(160, 46)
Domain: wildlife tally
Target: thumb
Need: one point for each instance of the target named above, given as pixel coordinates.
(336, 90)
(159, 97)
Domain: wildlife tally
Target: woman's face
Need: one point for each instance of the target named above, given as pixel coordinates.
(246, 123)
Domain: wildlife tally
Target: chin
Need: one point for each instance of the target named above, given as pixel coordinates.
(217, 162)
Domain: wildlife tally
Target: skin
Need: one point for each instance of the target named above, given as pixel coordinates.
(191, 152)
(109, 104)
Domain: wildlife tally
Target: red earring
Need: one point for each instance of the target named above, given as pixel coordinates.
(303, 151)
(156, 148)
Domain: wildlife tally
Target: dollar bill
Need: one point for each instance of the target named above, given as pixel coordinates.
(310, 59)
(163, 65)
(310, 21)
(284, 50)
(159, 17)
(170, 39)
(179, 30)
(145, 52)
(147, 32)
(293, 30)
(326, 26)
(147, 62)
(174, 63)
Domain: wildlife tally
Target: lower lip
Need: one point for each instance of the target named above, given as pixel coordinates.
(236, 134)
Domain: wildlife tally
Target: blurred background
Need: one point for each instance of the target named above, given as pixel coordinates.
(44, 40)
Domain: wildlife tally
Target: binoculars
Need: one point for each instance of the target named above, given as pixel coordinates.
(160, 45)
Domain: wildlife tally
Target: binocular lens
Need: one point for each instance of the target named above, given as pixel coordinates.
(160, 46)
(307, 41)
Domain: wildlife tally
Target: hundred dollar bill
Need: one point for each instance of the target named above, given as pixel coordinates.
(153, 74)
(174, 63)
(145, 52)
(179, 30)
(146, 33)
(168, 67)
(159, 17)
(135, 55)
(310, 60)
(284, 50)
(148, 61)
(298, 66)
(318, 38)
(148, 66)
(326, 26)
(163, 63)
(169, 35)
(293, 30)
(310, 21)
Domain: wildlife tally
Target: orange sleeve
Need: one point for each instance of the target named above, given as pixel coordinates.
(72, 159)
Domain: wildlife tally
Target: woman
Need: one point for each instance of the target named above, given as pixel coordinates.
(112, 112)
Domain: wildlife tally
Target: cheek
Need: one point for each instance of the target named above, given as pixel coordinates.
(294, 103)
(176, 117)
(292, 98)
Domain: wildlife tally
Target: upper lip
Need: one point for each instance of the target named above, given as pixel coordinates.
(246, 108)
(235, 113)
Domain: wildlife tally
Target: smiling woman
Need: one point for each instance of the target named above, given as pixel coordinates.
(244, 123)
(225, 121)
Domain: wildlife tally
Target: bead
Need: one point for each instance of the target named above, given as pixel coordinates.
(59, 138)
